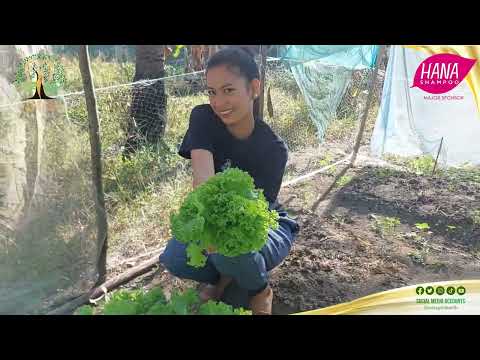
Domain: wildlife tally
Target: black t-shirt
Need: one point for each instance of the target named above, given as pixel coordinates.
(263, 154)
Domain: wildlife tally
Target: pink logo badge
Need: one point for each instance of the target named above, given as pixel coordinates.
(441, 73)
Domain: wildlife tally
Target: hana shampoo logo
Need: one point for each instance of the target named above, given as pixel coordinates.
(441, 73)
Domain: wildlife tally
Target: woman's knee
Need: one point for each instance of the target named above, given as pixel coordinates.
(248, 270)
(175, 260)
(279, 244)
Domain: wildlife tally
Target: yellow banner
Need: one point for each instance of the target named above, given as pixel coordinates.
(457, 297)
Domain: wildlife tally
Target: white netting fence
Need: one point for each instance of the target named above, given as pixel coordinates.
(49, 250)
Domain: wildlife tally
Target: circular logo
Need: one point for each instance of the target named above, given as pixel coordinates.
(450, 290)
(440, 290)
(420, 290)
(429, 290)
(461, 290)
(41, 75)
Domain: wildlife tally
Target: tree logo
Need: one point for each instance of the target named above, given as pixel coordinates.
(41, 75)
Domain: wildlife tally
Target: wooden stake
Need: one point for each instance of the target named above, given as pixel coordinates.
(96, 160)
(438, 154)
(263, 61)
(373, 80)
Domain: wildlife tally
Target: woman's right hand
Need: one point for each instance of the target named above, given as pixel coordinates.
(202, 165)
(211, 249)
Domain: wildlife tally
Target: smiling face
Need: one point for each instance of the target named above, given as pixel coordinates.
(231, 95)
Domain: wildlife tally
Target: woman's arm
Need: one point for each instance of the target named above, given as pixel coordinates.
(202, 164)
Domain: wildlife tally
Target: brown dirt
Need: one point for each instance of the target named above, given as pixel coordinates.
(340, 256)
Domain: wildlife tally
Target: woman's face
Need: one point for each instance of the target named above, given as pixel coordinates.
(231, 96)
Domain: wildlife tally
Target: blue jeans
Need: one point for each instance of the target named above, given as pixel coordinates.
(250, 271)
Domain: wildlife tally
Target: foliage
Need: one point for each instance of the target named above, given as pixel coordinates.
(154, 302)
(225, 213)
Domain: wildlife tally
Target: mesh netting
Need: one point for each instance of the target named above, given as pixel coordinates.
(316, 109)
(47, 219)
(48, 249)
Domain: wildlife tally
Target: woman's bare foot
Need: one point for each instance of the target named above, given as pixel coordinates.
(214, 292)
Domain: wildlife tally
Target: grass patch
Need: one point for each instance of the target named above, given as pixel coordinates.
(384, 225)
(344, 180)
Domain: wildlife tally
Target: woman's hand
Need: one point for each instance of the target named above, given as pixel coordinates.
(211, 249)
(202, 165)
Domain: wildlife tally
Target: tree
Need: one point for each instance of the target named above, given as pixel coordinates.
(40, 72)
(149, 100)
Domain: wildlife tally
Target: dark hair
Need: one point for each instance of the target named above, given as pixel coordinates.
(240, 60)
(236, 57)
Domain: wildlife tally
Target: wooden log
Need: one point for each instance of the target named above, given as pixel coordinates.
(97, 293)
(125, 277)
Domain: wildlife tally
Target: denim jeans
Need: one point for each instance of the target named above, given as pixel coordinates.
(250, 271)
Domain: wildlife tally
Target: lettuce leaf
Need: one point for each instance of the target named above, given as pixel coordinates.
(226, 213)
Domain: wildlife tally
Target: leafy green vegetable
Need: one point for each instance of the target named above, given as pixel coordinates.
(120, 307)
(226, 213)
(160, 309)
(218, 308)
(84, 310)
(147, 300)
(183, 304)
(137, 302)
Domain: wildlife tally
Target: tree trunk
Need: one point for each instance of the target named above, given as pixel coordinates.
(39, 89)
(149, 101)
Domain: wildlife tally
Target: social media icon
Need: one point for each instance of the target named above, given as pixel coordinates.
(440, 290)
(461, 290)
(429, 290)
(450, 290)
(420, 290)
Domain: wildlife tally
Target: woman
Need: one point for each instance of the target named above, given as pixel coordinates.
(226, 133)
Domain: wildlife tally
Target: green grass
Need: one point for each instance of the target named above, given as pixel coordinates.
(291, 120)
(420, 165)
(344, 180)
(384, 225)
(104, 73)
(341, 130)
